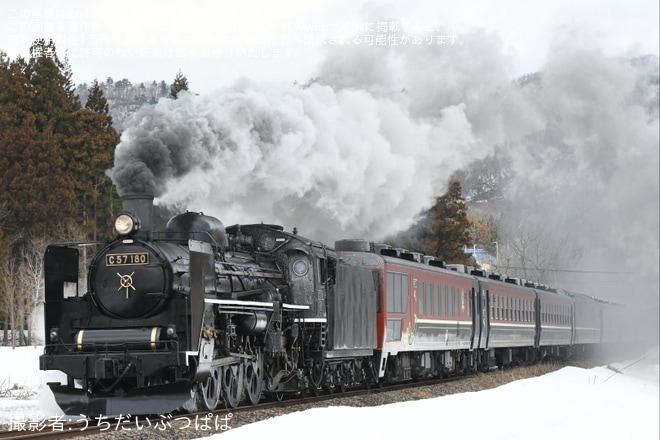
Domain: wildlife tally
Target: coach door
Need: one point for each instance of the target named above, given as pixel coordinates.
(480, 318)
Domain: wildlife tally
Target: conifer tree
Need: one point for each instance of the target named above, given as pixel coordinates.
(449, 231)
(36, 118)
(54, 99)
(96, 101)
(180, 83)
(36, 190)
(94, 141)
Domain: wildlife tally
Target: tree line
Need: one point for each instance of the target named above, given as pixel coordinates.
(54, 154)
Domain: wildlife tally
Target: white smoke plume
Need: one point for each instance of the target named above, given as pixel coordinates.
(361, 151)
(329, 162)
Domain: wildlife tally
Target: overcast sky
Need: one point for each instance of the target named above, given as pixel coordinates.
(213, 43)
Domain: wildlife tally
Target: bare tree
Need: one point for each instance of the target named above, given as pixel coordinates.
(31, 276)
(531, 251)
(9, 300)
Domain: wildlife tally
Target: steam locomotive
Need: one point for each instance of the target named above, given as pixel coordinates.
(201, 315)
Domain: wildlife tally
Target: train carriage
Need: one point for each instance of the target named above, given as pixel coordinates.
(439, 310)
(512, 322)
(554, 310)
(587, 319)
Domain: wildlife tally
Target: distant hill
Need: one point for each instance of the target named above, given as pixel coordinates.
(124, 97)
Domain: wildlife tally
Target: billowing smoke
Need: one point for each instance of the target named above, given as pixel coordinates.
(363, 149)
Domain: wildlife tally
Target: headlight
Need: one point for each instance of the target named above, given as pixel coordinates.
(126, 224)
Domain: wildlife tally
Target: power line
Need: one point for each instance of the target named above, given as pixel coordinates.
(600, 272)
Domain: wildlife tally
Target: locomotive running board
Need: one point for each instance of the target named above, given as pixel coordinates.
(238, 305)
(154, 400)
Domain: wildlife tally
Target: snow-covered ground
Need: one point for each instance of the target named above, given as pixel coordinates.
(571, 403)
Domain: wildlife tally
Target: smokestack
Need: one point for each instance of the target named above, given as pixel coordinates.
(141, 206)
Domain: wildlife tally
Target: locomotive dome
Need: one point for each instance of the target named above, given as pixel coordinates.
(196, 226)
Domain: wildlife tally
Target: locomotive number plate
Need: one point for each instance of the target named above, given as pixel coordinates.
(137, 259)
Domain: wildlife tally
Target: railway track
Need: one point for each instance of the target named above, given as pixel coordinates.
(207, 423)
(214, 421)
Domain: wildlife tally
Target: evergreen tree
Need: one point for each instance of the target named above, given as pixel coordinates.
(96, 101)
(442, 231)
(16, 93)
(94, 141)
(54, 95)
(180, 83)
(37, 107)
(34, 186)
(449, 231)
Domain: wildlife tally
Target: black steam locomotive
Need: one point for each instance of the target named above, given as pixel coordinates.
(200, 315)
(191, 317)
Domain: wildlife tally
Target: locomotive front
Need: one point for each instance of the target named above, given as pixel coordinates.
(126, 338)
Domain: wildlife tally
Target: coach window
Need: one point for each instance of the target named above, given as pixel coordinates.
(469, 303)
(443, 301)
(420, 298)
(428, 302)
(450, 301)
(393, 329)
(397, 292)
(436, 300)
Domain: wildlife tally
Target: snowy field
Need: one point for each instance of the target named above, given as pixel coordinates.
(571, 403)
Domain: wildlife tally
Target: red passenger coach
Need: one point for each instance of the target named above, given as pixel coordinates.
(424, 308)
(512, 323)
(426, 318)
(432, 321)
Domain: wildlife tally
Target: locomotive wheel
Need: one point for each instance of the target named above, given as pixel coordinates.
(342, 377)
(330, 379)
(210, 389)
(316, 377)
(254, 375)
(232, 385)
